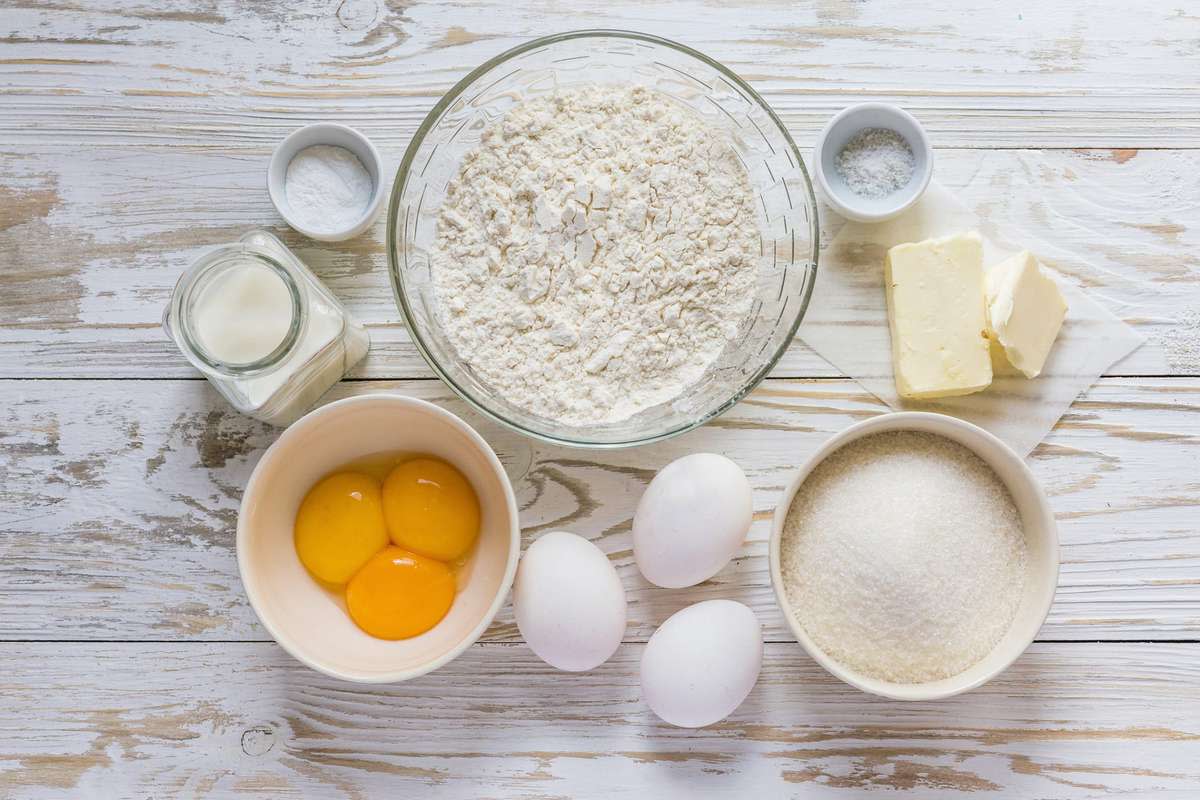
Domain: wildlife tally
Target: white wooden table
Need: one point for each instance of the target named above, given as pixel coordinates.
(134, 134)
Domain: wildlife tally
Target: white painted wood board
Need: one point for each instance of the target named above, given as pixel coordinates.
(135, 135)
(243, 720)
(130, 153)
(121, 500)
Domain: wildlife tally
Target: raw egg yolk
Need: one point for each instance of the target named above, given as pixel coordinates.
(399, 594)
(431, 509)
(340, 525)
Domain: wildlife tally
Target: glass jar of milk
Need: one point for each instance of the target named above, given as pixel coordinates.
(263, 328)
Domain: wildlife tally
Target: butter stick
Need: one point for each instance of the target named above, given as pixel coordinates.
(937, 317)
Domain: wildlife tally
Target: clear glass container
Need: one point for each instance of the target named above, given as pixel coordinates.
(320, 345)
(786, 267)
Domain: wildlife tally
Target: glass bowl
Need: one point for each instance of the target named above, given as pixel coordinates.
(787, 220)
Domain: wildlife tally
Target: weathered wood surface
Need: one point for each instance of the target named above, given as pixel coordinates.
(222, 75)
(121, 500)
(134, 134)
(135, 137)
(242, 719)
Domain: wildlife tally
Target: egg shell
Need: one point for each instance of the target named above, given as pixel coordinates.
(702, 662)
(691, 520)
(569, 602)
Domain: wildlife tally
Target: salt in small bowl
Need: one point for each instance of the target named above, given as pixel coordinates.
(847, 124)
(326, 133)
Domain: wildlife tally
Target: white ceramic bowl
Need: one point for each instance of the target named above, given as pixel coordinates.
(841, 129)
(311, 622)
(1041, 535)
(326, 133)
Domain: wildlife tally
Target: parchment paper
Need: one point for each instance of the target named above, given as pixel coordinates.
(847, 325)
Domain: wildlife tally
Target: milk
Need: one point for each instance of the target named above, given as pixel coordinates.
(243, 314)
(264, 330)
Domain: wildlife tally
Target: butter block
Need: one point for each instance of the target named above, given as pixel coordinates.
(937, 316)
(1025, 311)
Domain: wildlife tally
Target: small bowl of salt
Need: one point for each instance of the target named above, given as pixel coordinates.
(873, 161)
(326, 180)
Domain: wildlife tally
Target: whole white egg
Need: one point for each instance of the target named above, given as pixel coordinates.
(692, 519)
(702, 662)
(569, 602)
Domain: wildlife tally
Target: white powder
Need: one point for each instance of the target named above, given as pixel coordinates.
(876, 162)
(903, 557)
(595, 253)
(328, 189)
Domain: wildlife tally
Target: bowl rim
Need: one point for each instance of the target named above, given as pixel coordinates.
(928, 422)
(837, 201)
(412, 404)
(404, 170)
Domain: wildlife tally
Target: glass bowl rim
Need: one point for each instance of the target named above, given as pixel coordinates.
(405, 169)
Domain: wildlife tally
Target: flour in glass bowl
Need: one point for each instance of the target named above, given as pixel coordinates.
(595, 253)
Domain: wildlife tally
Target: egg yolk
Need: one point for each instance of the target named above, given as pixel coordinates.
(340, 525)
(431, 509)
(399, 594)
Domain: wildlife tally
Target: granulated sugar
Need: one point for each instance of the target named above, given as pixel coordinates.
(903, 557)
(876, 162)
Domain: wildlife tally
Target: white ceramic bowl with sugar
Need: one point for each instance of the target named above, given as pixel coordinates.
(844, 126)
(326, 133)
(1041, 537)
(311, 622)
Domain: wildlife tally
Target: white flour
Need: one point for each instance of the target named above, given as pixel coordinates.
(595, 253)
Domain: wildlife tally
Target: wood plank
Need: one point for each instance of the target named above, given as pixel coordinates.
(91, 266)
(237, 720)
(119, 501)
(980, 74)
(136, 135)
(127, 153)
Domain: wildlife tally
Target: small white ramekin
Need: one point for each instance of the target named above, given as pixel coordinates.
(327, 133)
(1041, 536)
(843, 127)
